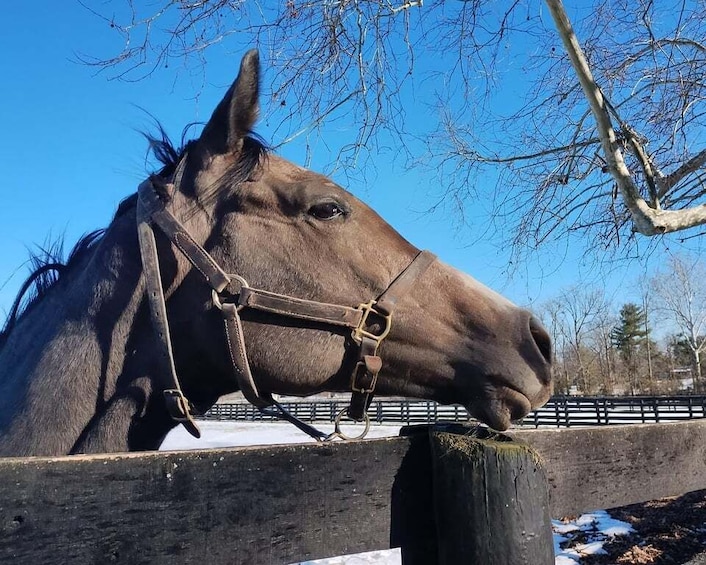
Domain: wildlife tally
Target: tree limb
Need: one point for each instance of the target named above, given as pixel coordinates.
(646, 219)
(667, 182)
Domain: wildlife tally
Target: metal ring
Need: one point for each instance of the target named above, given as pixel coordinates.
(342, 435)
(231, 278)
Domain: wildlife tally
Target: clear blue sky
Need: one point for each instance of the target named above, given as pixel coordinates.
(71, 150)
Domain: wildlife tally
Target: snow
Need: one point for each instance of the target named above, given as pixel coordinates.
(593, 528)
(385, 557)
(238, 433)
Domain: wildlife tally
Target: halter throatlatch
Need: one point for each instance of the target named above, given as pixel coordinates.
(369, 322)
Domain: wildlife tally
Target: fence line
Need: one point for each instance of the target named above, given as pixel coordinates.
(559, 412)
(284, 504)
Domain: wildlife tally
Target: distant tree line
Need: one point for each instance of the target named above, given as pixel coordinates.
(653, 345)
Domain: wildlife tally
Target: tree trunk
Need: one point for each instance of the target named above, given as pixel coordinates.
(649, 347)
(697, 370)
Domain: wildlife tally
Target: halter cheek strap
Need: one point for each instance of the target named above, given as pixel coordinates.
(365, 375)
(369, 322)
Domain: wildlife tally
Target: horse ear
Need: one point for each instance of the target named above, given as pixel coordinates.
(236, 114)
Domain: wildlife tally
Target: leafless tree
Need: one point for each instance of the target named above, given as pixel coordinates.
(612, 132)
(340, 63)
(600, 343)
(681, 289)
(594, 128)
(552, 318)
(647, 300)
(575, 318)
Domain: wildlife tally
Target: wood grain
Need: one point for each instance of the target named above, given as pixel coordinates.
(282, 504)
(491, 502)
(233, 506)
(601, 468)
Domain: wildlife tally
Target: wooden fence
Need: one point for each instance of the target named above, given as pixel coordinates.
(283, 504)
(558, 412)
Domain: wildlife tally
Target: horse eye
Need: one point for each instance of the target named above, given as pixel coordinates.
(326, 210)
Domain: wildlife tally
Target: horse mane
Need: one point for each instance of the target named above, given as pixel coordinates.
(48, 266)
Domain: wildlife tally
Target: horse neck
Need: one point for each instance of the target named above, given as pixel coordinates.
(73, 377)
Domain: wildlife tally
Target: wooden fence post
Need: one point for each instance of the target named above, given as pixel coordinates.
(491, 499)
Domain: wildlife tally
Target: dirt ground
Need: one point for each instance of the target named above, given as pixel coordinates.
(671, 531)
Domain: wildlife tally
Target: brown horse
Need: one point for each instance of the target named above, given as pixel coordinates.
(82, 369)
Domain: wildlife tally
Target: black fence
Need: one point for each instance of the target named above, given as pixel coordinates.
(560, 411)
(445, 494)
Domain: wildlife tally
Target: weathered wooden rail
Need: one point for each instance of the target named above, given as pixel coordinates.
(288, 503)
(560, 411)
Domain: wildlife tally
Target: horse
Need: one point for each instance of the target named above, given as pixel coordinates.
(234, 269)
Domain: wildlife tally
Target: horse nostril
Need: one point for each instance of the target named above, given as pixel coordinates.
(541, 338)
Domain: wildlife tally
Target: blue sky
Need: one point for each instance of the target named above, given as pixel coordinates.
(71, 150)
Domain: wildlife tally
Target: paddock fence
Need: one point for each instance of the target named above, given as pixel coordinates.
(559, 412)
(443, 493)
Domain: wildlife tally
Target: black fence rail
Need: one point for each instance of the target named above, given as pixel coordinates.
(445, 494)
(560, 412)
(598, 411)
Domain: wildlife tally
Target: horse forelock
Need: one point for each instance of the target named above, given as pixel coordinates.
(251, 154)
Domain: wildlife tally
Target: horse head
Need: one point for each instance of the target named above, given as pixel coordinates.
(273, 225)
(234, 269)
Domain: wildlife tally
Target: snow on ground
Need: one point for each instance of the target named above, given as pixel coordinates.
(240, 433)
(591, 529)
(384, 557)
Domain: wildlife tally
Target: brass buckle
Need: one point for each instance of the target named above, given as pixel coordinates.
(354, 378)
(359, 332)
(368, 365)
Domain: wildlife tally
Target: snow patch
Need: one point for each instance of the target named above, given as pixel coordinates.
(385, 557)
(585, 536)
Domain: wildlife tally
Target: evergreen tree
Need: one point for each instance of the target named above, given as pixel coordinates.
(630, 333)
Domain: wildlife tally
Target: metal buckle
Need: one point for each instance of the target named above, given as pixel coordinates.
(362, 389)
(369, 364)
(179, 409)
(359, 332)
(215, 296)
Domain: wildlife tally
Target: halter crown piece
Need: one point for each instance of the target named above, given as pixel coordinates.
(369, 322)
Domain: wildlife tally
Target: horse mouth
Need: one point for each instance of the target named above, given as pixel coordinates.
(502, 407)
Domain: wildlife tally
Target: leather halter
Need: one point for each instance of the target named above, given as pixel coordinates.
(369, 322)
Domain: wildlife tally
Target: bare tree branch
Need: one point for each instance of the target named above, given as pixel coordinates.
(514, 132)
(666, 183)
(647, 220)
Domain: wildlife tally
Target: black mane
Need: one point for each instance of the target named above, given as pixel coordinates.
(166, 153)
(48, 267)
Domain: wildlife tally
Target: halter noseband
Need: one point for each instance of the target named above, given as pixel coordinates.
(369, 322)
